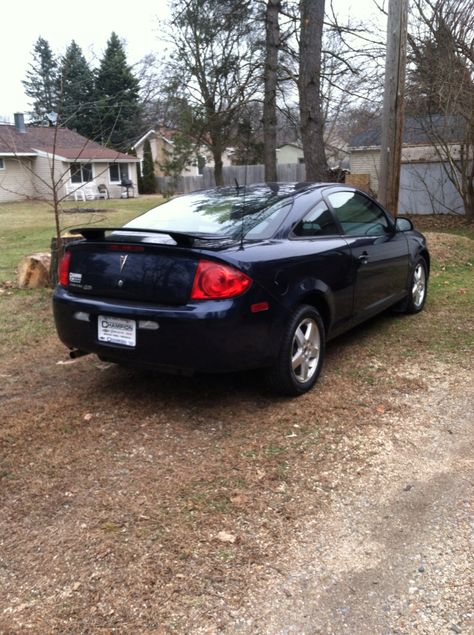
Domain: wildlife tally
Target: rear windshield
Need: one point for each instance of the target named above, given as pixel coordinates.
(257, 213)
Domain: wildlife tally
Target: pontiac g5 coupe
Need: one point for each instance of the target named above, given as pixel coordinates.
(239, 277)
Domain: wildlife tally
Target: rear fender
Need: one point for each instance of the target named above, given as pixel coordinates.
(316, 293)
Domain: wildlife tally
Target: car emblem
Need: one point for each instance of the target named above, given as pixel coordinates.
(123, 260)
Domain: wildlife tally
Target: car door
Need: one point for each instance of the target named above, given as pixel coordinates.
(325, 258)
(380, 254)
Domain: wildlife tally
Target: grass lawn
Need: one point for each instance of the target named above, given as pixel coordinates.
(27, 227)
(445, 326)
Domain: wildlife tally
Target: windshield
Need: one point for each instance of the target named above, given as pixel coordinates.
(224, 212)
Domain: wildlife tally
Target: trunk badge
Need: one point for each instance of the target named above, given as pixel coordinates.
(123, 260)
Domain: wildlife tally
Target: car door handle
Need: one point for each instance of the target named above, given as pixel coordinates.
(363, 258)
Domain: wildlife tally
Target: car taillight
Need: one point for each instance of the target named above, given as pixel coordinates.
(217, 281)
(63, 269)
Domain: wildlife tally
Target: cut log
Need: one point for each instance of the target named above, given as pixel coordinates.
(33, 271)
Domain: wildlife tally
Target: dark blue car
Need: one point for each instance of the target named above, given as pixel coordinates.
(239, 277)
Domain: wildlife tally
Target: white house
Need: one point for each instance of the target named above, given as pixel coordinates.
(35, 160)
(162, 146)
(289, 153)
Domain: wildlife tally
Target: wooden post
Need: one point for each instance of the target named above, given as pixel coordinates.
(392, 121)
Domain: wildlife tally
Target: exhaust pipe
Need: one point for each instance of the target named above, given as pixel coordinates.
(75, 353)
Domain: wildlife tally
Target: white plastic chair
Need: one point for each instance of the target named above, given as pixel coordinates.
(76, 191)
(90, 192)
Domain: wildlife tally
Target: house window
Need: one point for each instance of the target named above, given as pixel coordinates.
(118, 172)
(81, 172)
(2, 164)
(300, 160)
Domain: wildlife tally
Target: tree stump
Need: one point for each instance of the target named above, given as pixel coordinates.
(33, 271)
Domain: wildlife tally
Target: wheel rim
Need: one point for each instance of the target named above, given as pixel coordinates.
(305, 350)
(419, 285)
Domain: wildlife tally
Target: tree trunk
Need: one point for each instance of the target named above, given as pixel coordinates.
(217, 156)
(469, 198)
(33, 271)
(272, 45)
(312, 125)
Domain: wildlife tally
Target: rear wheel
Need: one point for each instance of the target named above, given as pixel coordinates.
(301, 353)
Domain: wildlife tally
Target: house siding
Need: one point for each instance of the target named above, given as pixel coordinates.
(42, 180)
(161, 151)
(367, 162)
(288, 154)
(424, 186)
(16, 180)
(102, 175)
(157, 146)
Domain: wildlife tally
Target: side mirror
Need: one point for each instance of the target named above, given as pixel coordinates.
(404, 224)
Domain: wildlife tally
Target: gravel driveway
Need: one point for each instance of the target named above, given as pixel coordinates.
(393, 551)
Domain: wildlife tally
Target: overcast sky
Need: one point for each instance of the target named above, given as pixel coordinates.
(89, 23)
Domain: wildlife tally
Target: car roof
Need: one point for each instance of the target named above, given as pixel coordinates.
(275, 188)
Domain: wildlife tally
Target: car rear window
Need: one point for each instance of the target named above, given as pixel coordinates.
(256, 212)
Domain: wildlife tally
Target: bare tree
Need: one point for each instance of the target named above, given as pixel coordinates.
(441, 87)
(49, 184)
(213, 68)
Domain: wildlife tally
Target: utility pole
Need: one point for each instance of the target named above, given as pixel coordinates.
(392, 121)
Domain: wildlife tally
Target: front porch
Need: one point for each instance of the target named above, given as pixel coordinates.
(101, 180)
(92, 190)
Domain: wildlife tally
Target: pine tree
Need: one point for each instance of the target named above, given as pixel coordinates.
(41, 83)
(76, 90)
(148, 183)
(117, 106)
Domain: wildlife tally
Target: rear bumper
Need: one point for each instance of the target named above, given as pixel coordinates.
(209, 336)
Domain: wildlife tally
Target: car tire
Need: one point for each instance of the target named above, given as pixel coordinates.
(304, 341)
(417, 289)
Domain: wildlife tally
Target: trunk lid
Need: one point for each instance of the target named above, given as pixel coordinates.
(132, 271)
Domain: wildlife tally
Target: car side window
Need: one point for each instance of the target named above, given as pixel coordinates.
(317, 222)
(358, 215)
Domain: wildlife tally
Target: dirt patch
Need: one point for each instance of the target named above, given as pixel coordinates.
(139, 503)
(438, 222)
(449, 249)
(135, 502)
(87, 210)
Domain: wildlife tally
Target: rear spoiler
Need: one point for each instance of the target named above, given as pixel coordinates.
(182, 239)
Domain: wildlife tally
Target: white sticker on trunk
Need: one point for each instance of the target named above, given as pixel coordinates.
(75, 277)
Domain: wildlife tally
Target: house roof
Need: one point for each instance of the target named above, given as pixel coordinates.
(165, 134)
(292, 145)
(416, 131)
(67, 144)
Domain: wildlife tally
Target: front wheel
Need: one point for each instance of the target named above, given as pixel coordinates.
(418, 288)
(301, 353)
